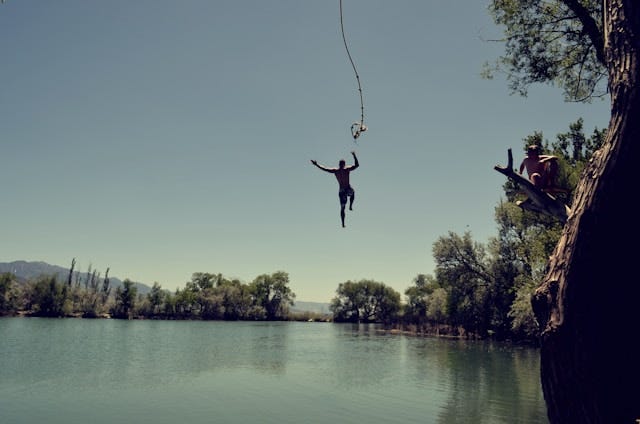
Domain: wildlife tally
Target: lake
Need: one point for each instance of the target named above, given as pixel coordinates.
(113, 371)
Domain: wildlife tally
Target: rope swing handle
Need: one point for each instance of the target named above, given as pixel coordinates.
(357, 128)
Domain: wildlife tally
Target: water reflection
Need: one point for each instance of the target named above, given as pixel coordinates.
(485, 382)
(245, 372)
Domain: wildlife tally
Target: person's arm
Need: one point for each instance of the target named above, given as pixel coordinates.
(355, 161)
(546, 158)
(321, 167)
(522, 166)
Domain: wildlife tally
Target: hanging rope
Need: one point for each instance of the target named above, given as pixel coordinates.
(357, 128)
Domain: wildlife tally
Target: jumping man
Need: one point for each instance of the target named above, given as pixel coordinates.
(342, 175)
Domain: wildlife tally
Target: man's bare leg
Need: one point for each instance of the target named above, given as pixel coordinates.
(536, 180)
(351, 198)
(342, 213)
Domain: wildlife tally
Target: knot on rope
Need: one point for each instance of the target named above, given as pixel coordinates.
(357, 128)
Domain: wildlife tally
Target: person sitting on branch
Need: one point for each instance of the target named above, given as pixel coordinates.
(542, 169)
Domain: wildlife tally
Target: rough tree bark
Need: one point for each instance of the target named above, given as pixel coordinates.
(589, 304)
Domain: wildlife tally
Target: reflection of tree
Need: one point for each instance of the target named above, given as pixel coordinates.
(268, 352)
(363, 357)
(486, 382)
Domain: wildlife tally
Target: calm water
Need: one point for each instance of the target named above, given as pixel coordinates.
(111, 371)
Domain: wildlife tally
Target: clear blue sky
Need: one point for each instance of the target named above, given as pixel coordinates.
(161, 138)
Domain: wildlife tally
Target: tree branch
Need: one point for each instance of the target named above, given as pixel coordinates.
(589, 25)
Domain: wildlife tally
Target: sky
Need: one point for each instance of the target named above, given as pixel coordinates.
(161, 138)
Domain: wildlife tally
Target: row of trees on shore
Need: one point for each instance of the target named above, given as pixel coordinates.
(207, 296)
(478, 289)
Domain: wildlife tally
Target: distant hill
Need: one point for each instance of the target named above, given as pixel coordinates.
(25, 271)
(314, 307)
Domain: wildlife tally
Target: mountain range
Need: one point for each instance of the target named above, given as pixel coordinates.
(25, 271)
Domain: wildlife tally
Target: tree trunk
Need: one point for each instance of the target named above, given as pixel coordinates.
(588, 305)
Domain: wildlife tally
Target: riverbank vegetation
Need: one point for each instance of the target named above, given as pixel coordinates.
(477, 290)
(207, 297)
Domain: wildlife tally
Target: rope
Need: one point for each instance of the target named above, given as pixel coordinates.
(357, 128)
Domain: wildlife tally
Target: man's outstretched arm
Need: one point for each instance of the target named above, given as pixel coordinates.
(322, 167)
(355, 161)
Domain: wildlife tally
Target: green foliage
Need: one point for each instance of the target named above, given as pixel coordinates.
(552, 41)
(152, 303)
(272, 294)
(206, 296)
(212, 297)
(419, 299)
(236, 299)
(520, 254)
(437, 306)
(125, 300)
(524, 324)
(365, 301)
(8, 295)
(463, 270)
(48, 298)
(426, 304)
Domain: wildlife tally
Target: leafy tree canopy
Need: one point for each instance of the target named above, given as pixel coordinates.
(552, 41)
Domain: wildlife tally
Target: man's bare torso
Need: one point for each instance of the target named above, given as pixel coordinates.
(342, 175)
(534, 166)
